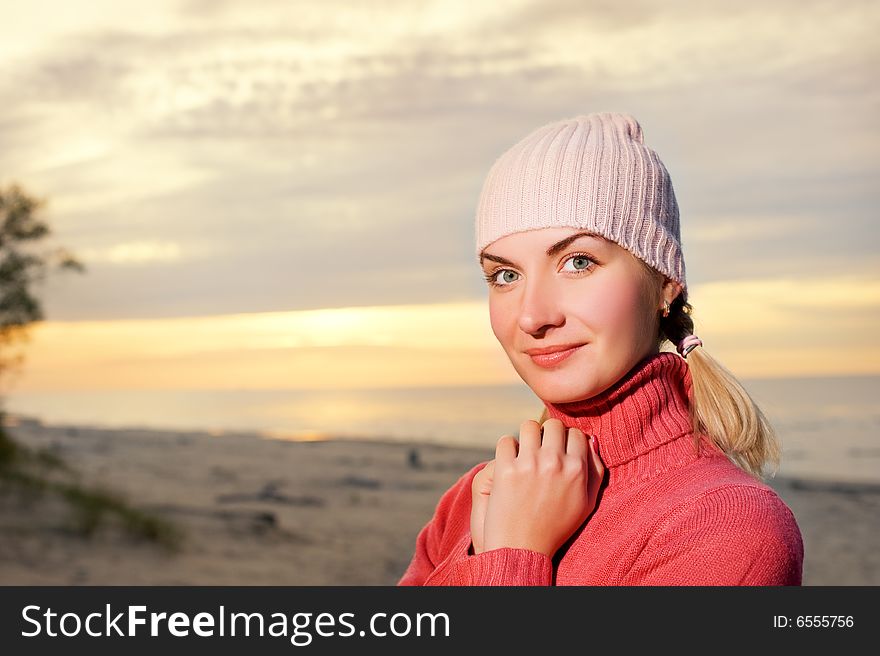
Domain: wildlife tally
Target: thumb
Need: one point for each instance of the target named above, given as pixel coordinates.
(483, 479)
(489, 469)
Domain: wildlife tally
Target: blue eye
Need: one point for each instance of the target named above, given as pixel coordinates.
(584, 260)
(491, 278)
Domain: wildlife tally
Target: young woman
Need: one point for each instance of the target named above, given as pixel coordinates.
(646, 465)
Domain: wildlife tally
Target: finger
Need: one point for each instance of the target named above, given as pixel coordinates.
(529, 437)
(482, 483)
(576, 443)
(488, 473)
(597, 471)
(554, 436)
(506, 449)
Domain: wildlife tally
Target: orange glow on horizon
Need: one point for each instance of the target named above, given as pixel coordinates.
(757, 328)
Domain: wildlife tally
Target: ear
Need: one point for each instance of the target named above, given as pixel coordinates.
(671, 290)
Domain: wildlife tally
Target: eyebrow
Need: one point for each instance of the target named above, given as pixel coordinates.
(553, 250)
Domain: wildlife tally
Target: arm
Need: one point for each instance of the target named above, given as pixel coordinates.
(733, 535)
(430, 565)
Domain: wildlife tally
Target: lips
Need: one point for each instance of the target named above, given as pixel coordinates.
(552, 356)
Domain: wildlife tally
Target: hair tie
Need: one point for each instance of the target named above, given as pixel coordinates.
(688, 344)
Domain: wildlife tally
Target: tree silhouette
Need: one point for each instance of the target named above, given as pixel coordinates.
(39, 471)
(20, 268)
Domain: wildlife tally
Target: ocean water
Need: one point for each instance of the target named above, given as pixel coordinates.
(828, 426)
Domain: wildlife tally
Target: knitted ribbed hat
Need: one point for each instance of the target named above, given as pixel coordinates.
(592, 172)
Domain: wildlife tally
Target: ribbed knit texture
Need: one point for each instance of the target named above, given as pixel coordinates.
(668, 514)
(593, 172)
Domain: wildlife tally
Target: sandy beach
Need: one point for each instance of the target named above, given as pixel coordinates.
(256, 511)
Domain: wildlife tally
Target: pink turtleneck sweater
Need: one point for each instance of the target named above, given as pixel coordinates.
(666, 514)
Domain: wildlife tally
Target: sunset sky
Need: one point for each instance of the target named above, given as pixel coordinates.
(280, 194)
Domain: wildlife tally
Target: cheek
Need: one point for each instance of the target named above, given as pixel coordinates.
(617, 306)
(500, 318)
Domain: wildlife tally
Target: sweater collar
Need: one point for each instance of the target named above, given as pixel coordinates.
(640, 420)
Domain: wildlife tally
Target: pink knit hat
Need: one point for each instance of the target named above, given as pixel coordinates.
(592, 172)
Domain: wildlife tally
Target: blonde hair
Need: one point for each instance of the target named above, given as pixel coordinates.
(720, 407)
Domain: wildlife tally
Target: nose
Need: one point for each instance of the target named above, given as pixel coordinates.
(539, 307)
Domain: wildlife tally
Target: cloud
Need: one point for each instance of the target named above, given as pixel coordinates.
(135, 252)
(750, 228)
(307, 155)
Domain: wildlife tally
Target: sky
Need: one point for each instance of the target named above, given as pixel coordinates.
(280, 194)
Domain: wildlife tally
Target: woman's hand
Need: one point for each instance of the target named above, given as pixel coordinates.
(539, 490)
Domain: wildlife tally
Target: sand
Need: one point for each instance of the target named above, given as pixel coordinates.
(257, 511)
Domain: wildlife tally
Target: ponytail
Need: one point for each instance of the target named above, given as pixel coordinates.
(721, 408)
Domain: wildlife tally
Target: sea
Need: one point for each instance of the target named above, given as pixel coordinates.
(828, 426)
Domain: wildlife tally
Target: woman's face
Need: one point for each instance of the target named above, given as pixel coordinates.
(562, 286)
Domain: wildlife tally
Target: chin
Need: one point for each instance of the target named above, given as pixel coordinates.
(564, 396)
(561, 386)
